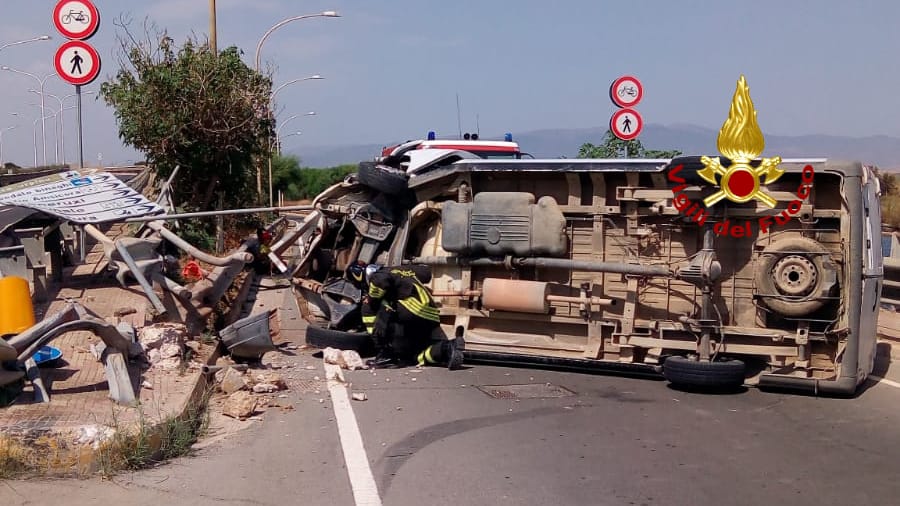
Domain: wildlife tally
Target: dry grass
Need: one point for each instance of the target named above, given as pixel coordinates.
(129, 447)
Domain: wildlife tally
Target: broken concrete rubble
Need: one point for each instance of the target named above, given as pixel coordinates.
(156, 335)
(271, 378)
(232, 381)
(240, 405)
(346, 359)
(264, 388)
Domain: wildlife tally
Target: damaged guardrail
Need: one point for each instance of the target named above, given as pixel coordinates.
(119, 340)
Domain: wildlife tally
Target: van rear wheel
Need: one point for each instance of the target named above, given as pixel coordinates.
(720, 374)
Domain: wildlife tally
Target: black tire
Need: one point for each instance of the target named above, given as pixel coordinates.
(725, 374)
(806, 250)
(320, 337)
(385, 179)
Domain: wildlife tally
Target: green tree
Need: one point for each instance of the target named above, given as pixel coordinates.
(190, 107)
(298, 182)
(613, 147)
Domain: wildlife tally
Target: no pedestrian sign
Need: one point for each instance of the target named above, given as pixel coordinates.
(626, 124)
(76, 19)
(77, 62)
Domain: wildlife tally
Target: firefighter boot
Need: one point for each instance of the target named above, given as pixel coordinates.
(455, 353)
(384, 359)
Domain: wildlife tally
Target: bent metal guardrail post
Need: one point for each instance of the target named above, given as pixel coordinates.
(119, 340)
(139, 258)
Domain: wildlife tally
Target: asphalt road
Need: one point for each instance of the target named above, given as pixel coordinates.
(475, 437)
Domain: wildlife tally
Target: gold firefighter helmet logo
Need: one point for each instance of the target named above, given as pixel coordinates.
(741, 141)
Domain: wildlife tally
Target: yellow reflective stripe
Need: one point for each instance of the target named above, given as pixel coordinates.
(421, 358)
(425, 312)
(411, 301)
(375, 292)
(424, 296)
(368, 319)
(370, 330)
(428, 356)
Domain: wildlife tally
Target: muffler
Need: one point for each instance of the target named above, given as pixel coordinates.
(519, 296)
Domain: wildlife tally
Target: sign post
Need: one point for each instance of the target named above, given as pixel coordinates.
(626, 123)
(76, 61)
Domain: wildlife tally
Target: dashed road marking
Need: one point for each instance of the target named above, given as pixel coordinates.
(365, 491)
(885, 381)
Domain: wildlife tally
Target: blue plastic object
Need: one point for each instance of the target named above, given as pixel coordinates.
(508, 137)
(47, 354)
(431, 136)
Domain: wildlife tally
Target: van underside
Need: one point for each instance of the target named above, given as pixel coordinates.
(620, 265)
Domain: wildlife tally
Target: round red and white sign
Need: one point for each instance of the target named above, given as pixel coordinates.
(76, 19)
(626, 124)
(626, 91)
(77, 62)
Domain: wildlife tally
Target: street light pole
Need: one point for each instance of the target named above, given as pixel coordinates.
(285, 137)
(41, 82)
(62, 121)
(212, 26)
(313, 77)
(277, 130)
(2, 165)
(56, 128)
(35, 39)
(278, 148)
(324, 14)
(34, 138)
(262, 40)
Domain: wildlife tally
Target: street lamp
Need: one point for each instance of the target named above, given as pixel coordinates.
(62, 123)
(325, 14)
(278, 147)
(34, 137)
(316, 77)
(262, 40)
(56, 115)
(310, 113)
(41, 87)
(1, 142)
(285, 137)
(42, 37)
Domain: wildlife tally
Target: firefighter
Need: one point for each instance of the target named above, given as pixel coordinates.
(400, 314)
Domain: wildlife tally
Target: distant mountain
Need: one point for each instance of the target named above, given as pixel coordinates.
(880, 150)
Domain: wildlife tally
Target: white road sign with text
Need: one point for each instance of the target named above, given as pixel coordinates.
(82, 197)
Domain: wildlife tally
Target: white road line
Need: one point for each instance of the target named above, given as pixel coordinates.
(365, 491)
(885, 381)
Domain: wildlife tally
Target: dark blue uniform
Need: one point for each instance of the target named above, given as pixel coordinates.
(400, 313)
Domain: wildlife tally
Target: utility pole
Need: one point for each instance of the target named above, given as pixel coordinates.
(212, 26)
(220, 221)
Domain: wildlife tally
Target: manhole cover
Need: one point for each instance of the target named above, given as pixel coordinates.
(307, 386)
(531, 391)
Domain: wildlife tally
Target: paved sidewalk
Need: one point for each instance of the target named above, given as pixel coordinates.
(80, 406)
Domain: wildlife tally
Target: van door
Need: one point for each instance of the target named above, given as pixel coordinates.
(873, 274)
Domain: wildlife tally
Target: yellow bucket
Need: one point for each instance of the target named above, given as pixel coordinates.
(16, 311)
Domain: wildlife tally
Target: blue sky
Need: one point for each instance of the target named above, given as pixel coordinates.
(393, 68)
